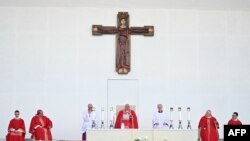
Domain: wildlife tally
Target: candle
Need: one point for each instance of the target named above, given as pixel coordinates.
(102, 114)
(171, 110)
(179, 109)
(188, 111)
(111, 113)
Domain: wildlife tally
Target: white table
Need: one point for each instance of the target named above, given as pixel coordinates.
(142, 134)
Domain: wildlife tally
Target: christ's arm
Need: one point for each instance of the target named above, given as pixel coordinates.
(99, 30)
(146, 30)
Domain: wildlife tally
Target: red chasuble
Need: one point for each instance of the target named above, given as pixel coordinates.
(16, 130)
(40, 128)
(234, 122)
(130, 122)
(208, 129)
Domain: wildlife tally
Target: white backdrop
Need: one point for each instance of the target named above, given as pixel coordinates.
(50, 60)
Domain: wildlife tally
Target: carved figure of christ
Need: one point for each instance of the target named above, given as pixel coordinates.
(123, 32)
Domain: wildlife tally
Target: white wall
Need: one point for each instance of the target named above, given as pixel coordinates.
(50, 60)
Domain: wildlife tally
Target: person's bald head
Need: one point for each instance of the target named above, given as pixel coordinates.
(127, 107)
(159, 107)
(90, 107)
(208, 113)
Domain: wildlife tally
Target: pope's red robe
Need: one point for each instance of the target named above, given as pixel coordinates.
(208, 129)
(131, 123)
(234, 122)
(16, 130)
(40, 128)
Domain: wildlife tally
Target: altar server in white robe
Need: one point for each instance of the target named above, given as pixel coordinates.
(90, 120)
(160, 120)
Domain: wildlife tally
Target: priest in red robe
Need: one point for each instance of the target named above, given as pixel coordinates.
(234, 120)
(126, 118)
(208, 128)
(16, 129)
(40, 127)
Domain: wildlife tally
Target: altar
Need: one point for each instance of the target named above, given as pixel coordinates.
(141, 135)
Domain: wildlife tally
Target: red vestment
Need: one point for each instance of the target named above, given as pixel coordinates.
(208, 129)
(40, 128)
(234, 122)
(130, 123)
(16, 130)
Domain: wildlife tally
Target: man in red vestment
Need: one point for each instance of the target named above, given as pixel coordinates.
(234, 120)
(16, 129)
(126, 118)
(208, 128)
(40, 127)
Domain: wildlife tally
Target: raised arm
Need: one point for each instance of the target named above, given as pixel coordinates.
(146, 30)
(99, 30)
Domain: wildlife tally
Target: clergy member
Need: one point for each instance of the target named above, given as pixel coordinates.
(90, 120)
(160, 119)
(40, 127)
(208, 127)
(234, 120)
(16, 129)
(126, 118)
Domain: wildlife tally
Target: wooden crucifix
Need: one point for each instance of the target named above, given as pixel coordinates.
(123, 32)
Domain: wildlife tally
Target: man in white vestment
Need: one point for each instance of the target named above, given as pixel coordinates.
(160, 119)
(90, 120)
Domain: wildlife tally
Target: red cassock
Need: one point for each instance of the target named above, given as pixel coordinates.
(40, 128)
(234, 122)
(130, 123)
(208, 129)
(16, 130)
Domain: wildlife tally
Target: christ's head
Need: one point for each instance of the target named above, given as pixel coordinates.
(123, 22)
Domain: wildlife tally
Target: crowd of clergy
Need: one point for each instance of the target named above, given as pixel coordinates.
(40, 126)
